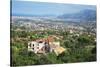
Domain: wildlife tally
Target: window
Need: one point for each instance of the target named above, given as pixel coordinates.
(33, 45)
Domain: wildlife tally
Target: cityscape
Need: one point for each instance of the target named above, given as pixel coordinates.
(51, 33)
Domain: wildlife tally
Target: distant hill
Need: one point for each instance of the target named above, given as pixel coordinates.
(84, 15)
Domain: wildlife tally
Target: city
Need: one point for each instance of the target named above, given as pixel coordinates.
(52, 34)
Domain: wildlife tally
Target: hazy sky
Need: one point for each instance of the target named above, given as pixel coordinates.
(42, 8)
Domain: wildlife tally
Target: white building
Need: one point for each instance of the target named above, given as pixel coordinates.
(43, 46)
(36, 47)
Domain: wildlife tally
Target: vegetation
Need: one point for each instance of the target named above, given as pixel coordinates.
(78, 48)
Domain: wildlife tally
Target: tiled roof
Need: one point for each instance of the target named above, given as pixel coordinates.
(59, 50)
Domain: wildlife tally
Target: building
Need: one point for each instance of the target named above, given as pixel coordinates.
(45, 45)
(36, 47)
(59, 50)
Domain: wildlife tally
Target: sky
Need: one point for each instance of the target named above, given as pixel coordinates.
(44, 8)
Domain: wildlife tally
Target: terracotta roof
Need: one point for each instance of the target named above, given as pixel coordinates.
(48, 39)
(59, 50)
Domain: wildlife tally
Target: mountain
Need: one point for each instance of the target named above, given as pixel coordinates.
(84, 15)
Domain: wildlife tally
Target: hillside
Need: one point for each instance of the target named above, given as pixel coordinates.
(84, 15)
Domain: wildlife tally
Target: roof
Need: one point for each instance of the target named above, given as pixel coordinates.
(59, 50)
